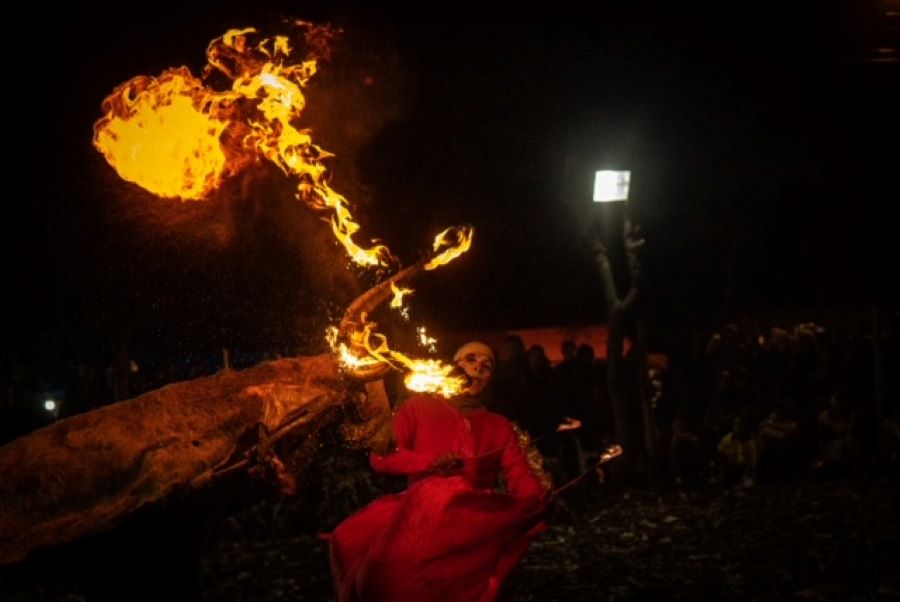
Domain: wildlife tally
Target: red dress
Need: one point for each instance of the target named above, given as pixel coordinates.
(446, 538)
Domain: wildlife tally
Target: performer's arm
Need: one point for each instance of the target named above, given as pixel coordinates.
(404, 460)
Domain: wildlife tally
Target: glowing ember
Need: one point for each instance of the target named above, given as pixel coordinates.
(426, 341)
(613, 451)
(569, 424)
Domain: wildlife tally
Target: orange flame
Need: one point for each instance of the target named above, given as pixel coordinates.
(160, 133)
(399, 293)
(457, 241)
(177, 137)
(613, 451)
(423, 375)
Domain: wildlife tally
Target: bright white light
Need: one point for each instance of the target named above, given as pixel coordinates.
(49, 405)
(611, 186)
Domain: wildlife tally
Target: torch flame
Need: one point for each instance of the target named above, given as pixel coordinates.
(613, 451)
(568, 424)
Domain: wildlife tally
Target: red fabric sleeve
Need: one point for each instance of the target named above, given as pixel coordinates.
(405, 460)
(520, 481)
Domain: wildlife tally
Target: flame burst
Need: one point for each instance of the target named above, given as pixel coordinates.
(422, 375)
(177, 137)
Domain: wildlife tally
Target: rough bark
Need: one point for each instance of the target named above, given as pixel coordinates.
(83, 474)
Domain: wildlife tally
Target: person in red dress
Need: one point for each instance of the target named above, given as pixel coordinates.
(451, 535)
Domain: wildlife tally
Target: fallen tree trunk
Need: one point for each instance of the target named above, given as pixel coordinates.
(83, 474)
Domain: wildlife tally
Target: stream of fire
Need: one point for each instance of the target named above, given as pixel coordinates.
(179, 138)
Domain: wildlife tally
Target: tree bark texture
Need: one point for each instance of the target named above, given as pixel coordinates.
(83, 474)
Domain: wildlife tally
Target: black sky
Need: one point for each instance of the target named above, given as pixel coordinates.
(763, 147)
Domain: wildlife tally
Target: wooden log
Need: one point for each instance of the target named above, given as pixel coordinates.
(84, 474)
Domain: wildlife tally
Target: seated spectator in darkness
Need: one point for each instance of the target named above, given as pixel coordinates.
(587, 403)
(544, 414)
(686, 452)
(780, 445)
(738, 455)
(511, 395)
(838, 445)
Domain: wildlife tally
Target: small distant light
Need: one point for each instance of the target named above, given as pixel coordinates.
(49, 405)
(611, 186)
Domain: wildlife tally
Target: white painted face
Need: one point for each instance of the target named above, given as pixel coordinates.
(479, 367)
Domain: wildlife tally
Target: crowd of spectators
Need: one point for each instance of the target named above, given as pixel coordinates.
(748, 404)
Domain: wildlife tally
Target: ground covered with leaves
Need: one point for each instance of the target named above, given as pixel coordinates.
(806, 539)
(829, 539)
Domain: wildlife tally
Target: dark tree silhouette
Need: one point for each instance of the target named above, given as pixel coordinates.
(627, 375)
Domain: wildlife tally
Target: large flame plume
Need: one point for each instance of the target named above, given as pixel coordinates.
(179, 138)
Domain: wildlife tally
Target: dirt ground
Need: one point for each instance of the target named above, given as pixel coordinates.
(829, 539)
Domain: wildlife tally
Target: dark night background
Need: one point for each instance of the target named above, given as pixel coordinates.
(763, 148)
(763, 141)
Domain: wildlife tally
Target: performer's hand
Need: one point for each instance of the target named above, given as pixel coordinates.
(447, 463)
